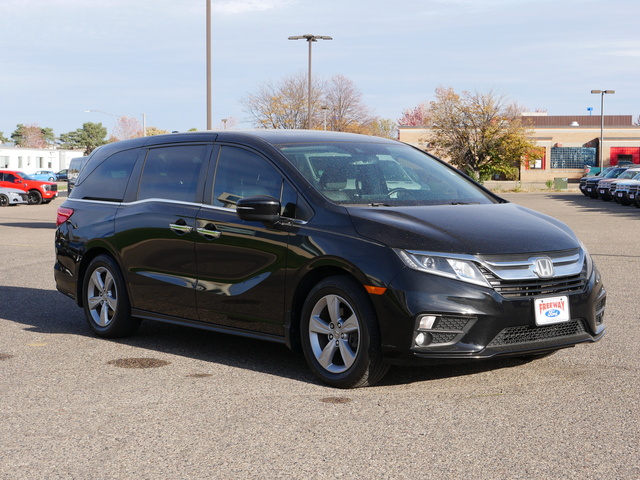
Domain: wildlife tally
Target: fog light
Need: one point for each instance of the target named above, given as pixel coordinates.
(427, 322)
(423, 339)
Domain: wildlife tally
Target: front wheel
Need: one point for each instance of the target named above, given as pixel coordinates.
(105, 299)
(34, 197)
(340, 334)
(4, 200)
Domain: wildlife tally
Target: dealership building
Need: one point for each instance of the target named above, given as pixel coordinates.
(570, 142)
(29, 160)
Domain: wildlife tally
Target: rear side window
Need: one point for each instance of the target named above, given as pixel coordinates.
(108, 181)
(172, 173)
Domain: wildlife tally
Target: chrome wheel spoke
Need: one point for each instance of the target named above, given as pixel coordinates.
(347, 354)
(318, 326)
(326, 358)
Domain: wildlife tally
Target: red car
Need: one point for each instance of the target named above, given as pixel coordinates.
(38, 191)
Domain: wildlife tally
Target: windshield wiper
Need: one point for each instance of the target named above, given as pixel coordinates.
(378, 205)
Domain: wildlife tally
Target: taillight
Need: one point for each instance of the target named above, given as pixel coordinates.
(63, 215)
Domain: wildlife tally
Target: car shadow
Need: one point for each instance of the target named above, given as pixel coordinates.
(56, 314)
(585, 204)
(35, 225)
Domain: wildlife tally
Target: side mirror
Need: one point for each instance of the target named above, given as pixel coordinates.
(258, 208)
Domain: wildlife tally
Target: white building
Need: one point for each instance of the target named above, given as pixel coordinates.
(28, 160)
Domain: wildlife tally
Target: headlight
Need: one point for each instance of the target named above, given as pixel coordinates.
(587, 260)
(458, 267)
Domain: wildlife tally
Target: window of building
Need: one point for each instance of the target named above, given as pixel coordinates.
(572, 157)
(4, 162)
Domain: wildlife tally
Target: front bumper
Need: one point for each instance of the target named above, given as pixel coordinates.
(473, 322)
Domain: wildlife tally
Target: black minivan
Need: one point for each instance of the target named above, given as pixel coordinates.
(360, 251)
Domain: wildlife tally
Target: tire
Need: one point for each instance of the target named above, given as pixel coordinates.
(340, 334)
(52, 179)
(34, 197)
(4, 200)
(106, 301)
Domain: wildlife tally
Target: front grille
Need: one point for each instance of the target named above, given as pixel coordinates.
(528, 334)
(536, 287)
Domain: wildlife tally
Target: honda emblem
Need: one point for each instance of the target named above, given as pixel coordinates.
(543, 267)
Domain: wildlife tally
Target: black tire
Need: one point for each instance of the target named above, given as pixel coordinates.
(52, 179)
(4, 200)
(106, 301)
(340, 334)
(34, 197)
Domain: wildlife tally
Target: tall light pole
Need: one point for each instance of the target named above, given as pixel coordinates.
(310, 39)
(209, 116)
(601, 146)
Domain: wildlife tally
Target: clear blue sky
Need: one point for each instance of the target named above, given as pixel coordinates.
(128, 57)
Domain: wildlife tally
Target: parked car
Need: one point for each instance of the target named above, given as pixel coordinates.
(624, 191)
(634, 194)
(38, 191)
(591, 184)
(46, 175)
(606, 185)
(12, 196)
(232, 232)
(599, 175)
(75, 166)
(61, 176)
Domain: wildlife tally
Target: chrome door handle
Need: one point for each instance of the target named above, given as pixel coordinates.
(208, 231)
(181, 229)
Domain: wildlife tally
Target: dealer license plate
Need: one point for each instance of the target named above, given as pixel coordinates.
(552, 310)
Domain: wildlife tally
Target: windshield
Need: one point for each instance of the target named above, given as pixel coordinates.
(381, 174)
(25, 176)
(628, 174)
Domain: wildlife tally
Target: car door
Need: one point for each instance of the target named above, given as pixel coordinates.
(157, 236)
(241, 265)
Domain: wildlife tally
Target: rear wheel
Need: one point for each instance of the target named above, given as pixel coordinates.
(34, 197)
(340, 334)
(106, 301)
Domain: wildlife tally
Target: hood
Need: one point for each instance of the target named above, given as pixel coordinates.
(467, 229)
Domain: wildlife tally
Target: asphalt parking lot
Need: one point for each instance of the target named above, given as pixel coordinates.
(176, 403)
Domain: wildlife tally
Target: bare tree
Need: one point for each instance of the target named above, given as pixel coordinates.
(126, 127)
(347, 113)
(283, 104)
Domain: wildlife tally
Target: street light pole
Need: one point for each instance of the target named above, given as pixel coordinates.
(601, 146)
(310, 39)
(209, 116)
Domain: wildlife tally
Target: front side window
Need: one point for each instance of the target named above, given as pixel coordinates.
(172, 173)
(241, 173)
(353, 173)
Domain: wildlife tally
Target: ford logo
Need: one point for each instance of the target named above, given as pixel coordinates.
(552, 313)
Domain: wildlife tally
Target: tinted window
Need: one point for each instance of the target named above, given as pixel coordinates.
(240, 174)
(172, 173)
(108, 180)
